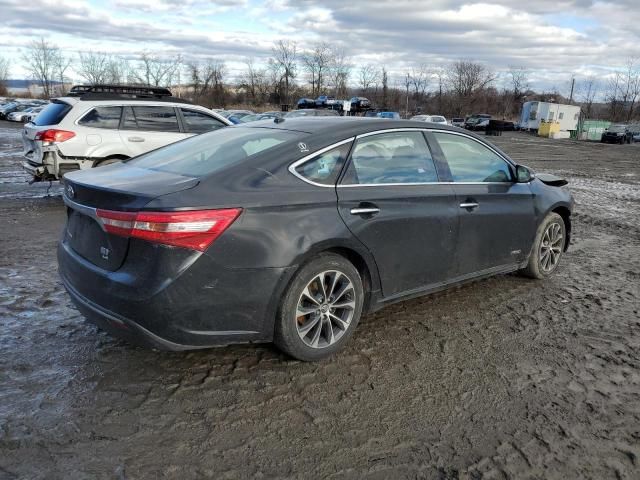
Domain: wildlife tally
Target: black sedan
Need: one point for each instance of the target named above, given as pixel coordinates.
(290, 230)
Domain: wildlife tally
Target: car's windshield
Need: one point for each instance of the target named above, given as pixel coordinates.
(204, 154)
(617, 128)
(438, 119)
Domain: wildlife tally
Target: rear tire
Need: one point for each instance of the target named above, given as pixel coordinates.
(547, 249)
(320, 308)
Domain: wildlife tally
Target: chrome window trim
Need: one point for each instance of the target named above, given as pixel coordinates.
(423, 183)
(311, 156)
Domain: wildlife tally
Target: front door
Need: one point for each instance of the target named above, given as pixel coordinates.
(497, 219)
(392, 201)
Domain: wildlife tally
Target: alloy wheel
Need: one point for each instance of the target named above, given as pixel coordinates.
(325, 309)
(551, 247)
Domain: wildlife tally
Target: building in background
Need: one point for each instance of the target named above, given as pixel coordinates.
(534, 113)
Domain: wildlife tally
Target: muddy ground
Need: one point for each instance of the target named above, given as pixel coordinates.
(504, 378)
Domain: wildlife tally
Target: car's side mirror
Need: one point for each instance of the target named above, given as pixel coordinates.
(523, 174)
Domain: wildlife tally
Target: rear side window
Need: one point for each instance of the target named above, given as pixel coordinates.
(401, 157)
(325, 168)
(207, 153)
(198, 122)
(102, 117)
(470, 161)
(151, 119)
(52, 114)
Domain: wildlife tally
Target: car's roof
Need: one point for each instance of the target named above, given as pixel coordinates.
(343, 126)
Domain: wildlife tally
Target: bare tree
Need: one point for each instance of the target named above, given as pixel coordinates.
(60, 66)
(94, 67)
(157, 71)
(207, 81)
(587, 92)
(385, 87)
(317, 62)
(4, 75)
(340, 70)
(255, 82)
(43, 61)
(368, 75)
(118, 71)
(284, 64)
(466, 78)
(519, 79)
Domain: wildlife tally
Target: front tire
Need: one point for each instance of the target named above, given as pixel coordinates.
(320, 309)
(548, 247)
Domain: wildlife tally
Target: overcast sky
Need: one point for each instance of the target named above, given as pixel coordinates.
(555, 39)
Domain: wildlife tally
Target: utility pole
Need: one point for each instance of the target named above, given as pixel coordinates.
(407, 84)
(573, 82)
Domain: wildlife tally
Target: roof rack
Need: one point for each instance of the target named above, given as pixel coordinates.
(132, 90)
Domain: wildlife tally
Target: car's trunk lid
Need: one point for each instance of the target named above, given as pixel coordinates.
(115, 187)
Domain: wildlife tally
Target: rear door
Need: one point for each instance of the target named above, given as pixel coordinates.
(497, 221)
(147, 127)
(391, 199)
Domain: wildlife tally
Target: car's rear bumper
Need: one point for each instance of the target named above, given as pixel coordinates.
(206, 305)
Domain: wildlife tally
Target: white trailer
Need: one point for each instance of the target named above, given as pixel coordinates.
(535, 112)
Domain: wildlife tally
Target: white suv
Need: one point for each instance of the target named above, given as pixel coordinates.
(91, 128)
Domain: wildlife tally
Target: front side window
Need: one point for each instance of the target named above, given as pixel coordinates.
(399, 157)
(102, 117)
(470, 161)
(198, 122)
(325, 168)
(151, 119)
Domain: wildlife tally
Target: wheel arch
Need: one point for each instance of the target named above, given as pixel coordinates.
(565, 213)
(361, 260)
(110, 157)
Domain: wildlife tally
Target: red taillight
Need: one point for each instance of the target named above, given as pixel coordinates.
(193, 229)
(54, 136)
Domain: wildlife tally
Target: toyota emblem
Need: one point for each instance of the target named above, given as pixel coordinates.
(70, 191)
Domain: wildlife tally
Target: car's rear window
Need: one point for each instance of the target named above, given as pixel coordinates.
(207, 153)
(52, 114)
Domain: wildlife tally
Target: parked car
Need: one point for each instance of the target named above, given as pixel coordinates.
(30, 117)
(478, 121)
(430, 118)
(360, 103)
(306, 103)
(388, 115)
(13, 108)
(324, 100)
(617, 134)
(311, 113)
(234, 116)
(457, 122)
(260, 116)
(94, 128)
(251, 235)
(24, 115)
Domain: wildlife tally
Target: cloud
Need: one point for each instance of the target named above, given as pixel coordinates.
(553, 39)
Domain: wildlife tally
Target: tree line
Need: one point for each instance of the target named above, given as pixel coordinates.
(290, 72)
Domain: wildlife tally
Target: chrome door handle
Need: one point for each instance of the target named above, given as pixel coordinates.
(364, 211)
(469, 205)
(135, 139)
